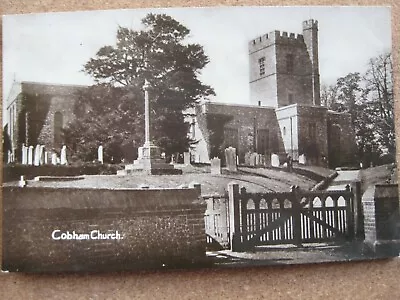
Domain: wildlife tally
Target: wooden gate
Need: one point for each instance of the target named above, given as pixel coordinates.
(242, 220)
(294, 217)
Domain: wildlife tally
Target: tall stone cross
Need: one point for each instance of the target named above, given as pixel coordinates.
(146, 113)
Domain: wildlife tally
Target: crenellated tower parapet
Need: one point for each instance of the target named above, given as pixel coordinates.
(275, 37)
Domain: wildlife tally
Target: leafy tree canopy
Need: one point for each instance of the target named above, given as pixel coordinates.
(113, 108)
(369, 99)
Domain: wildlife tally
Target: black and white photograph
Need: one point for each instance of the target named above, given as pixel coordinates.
(218, 137)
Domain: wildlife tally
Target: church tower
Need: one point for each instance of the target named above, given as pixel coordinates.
(310, 34)
(284, 68)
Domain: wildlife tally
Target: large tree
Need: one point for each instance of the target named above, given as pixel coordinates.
(379, 97)
(368, 98)
(160, 54)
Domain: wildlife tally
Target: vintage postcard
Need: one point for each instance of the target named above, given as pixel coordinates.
(198, 137)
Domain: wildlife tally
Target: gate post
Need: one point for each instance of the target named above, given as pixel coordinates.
(234, 216)
(350, 214)
(357, 210)
(296, 207)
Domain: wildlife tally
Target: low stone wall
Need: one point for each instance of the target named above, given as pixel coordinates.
(13, 172)
(142, 229)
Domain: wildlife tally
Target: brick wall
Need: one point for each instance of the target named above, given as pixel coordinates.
(381, 215)
(160, 228)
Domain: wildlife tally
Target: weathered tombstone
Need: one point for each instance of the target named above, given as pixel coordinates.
(186, 158)
(22, 182)
(216, 166)
(230, 158)
(46, 157)
(172, 159)
(30, 155)
(100, 154)
(302, 159)
(253, 159)
(247, 158)
(9, 158)
(54, 159)
(63, 159)
(24, 154)
(36, 159)
(41, 155)
(262, 159)
(275, 160)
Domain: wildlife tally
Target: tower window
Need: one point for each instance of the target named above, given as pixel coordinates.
(261, 64)
(289, 63)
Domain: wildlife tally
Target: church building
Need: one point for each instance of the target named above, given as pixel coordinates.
(284, 115)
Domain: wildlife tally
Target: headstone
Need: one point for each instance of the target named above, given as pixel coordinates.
(230, 158)
(186, 158)
(41, 155)
(9, 158)
(22, 182)
(100, 154)
(302, 159)
(24, 154)
(30, 155)
(216, 166)
(275, 160)
(63, 159)
(172, 159)
(247, 158)
(54, 159)
(261, 159)
(46, 157)
(36, 160)
(253, 159)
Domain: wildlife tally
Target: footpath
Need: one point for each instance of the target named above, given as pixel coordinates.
(344, 178)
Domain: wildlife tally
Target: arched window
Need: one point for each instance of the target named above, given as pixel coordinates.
(58, 125)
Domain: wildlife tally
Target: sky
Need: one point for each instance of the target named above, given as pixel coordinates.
(53, 47)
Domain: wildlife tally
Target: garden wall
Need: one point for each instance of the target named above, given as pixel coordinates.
(156, 228)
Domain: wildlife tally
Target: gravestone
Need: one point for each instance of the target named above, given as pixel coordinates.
(230, 158)
(261, 159)
(24, 154)
(247, 158)
(46, 157)
(216, 166)
(54, 159)
(100, 154)
(275, 160)
(253, 159)
(63, 159)
(302, 159)
(36, 159)
(30, 155)
(172, 159)
(41, 155)
(186, 158)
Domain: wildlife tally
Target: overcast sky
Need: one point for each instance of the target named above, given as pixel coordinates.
(53, 47)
